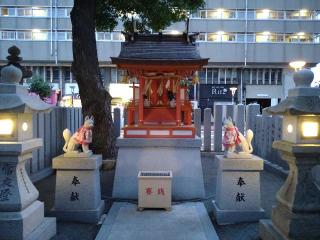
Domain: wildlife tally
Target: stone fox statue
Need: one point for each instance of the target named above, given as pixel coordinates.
(83, 137)
(233, 138)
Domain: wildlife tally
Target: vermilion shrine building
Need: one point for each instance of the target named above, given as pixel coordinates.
(162, 65)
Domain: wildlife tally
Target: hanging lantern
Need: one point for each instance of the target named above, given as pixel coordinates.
(125, 78)
(195, 78)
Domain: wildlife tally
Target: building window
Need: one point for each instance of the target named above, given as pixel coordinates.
(117, 36)
(269, 14)
(8, 12)
(67, 72)
(24, 12)
(69, 36)
(39, 35)
(253, 76)
(62, 12)
(222, 74)
(221, 13)
(246, 76)
(269, 37)
(48, 74)
(195, 14)
(201, 37)
(103, 36)
(114, 76)
(202, 76)
(300, 37)
(228, 76)
(203, 14)
(56, 75)
(299, 14)
(260, 76)
(235, 76)
(40, 12)
(209, 75)
(8, 35)
(24, 35)
(221, 36)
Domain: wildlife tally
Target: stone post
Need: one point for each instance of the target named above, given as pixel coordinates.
(78, 193)
(125, 116)
(252, 110)
(239, 114)
(217, 137)
(207, 129)
(197, 121)
(117, 121)
(229, 111)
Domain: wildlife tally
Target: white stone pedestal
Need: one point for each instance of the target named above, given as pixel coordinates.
(21, 215)
(238, 190)
(181, 156)
(78, 194)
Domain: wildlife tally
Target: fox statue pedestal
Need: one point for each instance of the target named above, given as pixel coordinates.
(238, 190)
(78, 194)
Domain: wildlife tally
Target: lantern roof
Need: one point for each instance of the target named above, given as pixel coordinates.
(14, 98)
(162, 49)
(301, 100)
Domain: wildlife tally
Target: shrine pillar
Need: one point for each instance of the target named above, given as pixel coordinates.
(178, 105)
(141, 100)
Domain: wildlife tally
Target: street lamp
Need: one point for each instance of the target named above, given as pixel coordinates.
(233, 91)
(297, 65)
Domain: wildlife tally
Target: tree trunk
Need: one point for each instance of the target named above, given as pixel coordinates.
(95, 99)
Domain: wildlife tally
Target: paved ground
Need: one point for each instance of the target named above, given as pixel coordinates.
(186, 221)
(270, 184)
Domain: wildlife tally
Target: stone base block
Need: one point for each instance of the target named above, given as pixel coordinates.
(236, 216)
(45, 231)
(84, 216)
(181, 156)
(267, 231)
(26, 224)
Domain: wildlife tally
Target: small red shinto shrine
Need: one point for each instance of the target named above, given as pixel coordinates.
(162, 65)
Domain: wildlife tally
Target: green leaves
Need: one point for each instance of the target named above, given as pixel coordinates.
(155, 14)
(39, 86)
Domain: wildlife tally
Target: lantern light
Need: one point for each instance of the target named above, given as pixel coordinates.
(310, 129)
(24, 126)
(6, 126)
(290, 128)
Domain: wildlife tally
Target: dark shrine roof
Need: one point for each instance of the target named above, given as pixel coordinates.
(159, 49)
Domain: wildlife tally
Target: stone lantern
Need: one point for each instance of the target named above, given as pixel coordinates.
(297, 213)
(21, 215)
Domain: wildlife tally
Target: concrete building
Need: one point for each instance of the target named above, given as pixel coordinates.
(249, 43)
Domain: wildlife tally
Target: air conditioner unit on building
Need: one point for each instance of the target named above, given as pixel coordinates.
(154, 189)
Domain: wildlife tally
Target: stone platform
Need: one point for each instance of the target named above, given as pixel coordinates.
(188, 221)
(181, 156)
